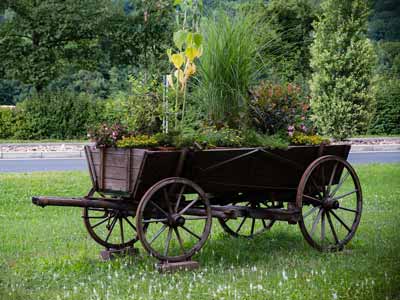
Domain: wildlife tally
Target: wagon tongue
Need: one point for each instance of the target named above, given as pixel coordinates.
(80, 202)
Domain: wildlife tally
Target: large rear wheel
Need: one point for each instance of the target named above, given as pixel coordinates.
(330, 198)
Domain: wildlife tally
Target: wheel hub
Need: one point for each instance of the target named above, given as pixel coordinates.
(330, 204)
(176, 221)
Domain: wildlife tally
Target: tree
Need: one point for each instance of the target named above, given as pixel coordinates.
(291, 24)
(40, 37)
(342, 63)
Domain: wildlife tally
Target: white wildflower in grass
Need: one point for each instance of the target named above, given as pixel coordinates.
(254, 269)
(334, 296)
(284, 275)
(259, 287)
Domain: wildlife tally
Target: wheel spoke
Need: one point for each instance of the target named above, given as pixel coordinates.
(241, 224)
(339, 184)
(130, 223)
(323, 227)
(179, 240)
(344, 195)
(191, 232)
(111, 229)
(167, 201)
(341, 222)
(167, 241)
(122, 230)
(253, 222)
(188, 206)
(264, 224)
(158, 234)
(319, 189)
(322, 168)
(310, 211)
(312, 198)
(101, 222)
(196, 218)
(154, 220)
(331, 179)
(179, 198)
(158, 207)
(348, 209)
(314, 225)
(332, 228)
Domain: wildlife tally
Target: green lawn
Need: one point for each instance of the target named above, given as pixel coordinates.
(46, 253)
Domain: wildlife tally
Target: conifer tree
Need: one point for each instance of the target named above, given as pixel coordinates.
(342, 60)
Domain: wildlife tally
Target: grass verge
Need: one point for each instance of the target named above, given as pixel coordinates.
(46, 253)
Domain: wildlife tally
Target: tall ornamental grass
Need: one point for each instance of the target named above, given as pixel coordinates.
(228, 67)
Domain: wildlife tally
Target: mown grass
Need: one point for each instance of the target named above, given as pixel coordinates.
(46, 253)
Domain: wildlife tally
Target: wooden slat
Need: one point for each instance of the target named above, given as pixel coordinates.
(115, 185)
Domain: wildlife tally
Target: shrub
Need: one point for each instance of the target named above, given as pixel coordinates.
(342, 62)
(387, 117)
(299, 138)
(56, 115)
(275, 108)
(107, 135)
(140, 141)
(7, 122)
(140, 110)
(228, 67)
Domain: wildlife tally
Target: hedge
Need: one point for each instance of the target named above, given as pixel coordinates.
(387, 116)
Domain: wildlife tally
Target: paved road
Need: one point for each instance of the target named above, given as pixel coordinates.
(30, 165)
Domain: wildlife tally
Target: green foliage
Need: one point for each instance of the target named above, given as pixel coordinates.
(287, 34)
(56, 115)
(389, 58)
(12, 91)
(7, 122)
(211, 137)
(300, 138)
(140, 110)
(139, 141)
(228, 67)
(275, 107)
(107, 135)
(53, 36)
(342, 62)
(385, 22)
(387, 117)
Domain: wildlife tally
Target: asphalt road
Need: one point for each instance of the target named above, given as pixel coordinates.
(63, 164)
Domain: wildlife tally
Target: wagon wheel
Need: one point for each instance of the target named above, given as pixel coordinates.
(330, 198)
(246, 227)
(111, 228)
(172, 234)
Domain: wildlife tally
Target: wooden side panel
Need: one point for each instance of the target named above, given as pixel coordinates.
(120, 168)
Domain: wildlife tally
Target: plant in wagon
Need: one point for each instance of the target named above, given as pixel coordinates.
(188, 42)
(228, 67)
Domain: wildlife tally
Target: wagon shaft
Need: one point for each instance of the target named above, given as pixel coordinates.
(83, 202)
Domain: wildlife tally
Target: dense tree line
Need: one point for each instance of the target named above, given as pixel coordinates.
(93, 47)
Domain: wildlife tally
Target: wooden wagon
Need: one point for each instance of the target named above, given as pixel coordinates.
(167, 199)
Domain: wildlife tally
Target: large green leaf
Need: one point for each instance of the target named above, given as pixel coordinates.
(180, 38)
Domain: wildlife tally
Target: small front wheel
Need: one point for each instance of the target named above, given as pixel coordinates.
(177, 214)
(330, 198)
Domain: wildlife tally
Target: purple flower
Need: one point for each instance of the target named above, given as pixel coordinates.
(290, 130)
